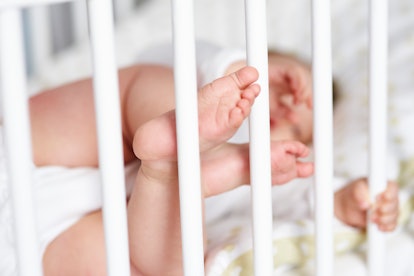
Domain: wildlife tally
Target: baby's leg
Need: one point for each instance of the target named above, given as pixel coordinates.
(223, 105)
(153, 209)
(63, 122)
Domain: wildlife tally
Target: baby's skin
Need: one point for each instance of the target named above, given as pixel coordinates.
(223, 105)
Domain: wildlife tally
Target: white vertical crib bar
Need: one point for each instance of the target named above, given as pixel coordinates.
(187, 137)
(323, 135)
(260, 170)
(378, 85)
(18, 141)
(107, 104)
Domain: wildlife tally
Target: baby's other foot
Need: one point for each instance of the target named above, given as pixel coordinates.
(287, 163)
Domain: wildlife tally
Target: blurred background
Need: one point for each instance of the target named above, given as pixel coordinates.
(56, 36)
(58, 49)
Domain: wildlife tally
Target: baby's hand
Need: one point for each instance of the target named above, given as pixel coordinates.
(352, 204)
(285, 163)
(290, 83)
(386, 208)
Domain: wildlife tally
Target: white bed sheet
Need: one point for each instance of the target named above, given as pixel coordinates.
(230, 245)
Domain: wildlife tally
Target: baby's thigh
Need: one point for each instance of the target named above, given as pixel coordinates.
(80, 250)
(63, 126)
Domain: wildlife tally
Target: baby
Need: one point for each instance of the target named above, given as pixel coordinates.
(64, 134)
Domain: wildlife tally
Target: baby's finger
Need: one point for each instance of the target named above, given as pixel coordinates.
(387, 228)
(387, 208)
(386, 223)
(388, 201)
(385, 211)
(387, 219)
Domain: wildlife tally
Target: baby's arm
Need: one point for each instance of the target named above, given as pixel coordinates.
(386, 209)
(352, 203)
(290, 84)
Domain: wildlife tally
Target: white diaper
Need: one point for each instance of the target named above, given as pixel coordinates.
(61, 195)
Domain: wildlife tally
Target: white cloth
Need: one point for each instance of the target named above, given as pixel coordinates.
(62, 196)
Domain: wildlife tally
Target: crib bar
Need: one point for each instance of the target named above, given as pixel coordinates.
(18, 142)
(29, 3)
(187, 137)
(323, 135)
(260, 170)
(107, 104)
(378, 84)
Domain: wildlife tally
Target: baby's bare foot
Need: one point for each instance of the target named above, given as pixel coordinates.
(227, 167)
(286, 161)
(222, 106)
